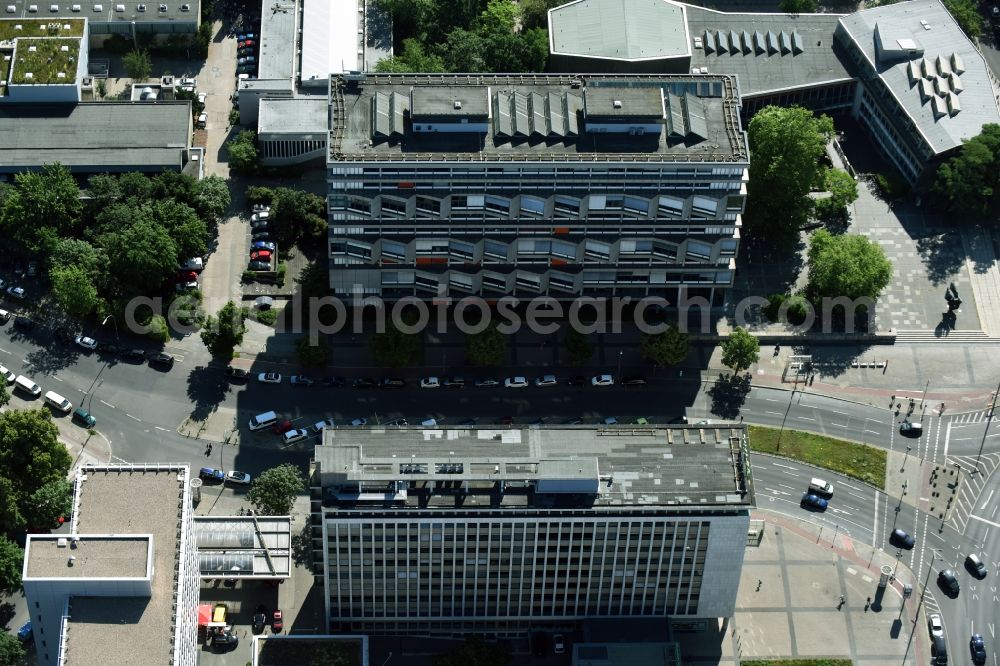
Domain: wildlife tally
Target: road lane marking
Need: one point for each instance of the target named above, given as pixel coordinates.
(838, 425)
(56, 378)
(839, 412)
(784, 486)
(947, 437)
(132, 417)
(776, 413)
(108, 404)
(805, 418)
(874, 432)
(163, 429)
(937, 535)
(4, 351)
(768, 399)
(782, 465)
(847, 485)
(857, 495)
(992, 490)
(776, 492)
(983, 520)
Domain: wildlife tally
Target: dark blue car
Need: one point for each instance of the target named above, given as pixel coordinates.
(24, 634)
(212, 474)
(263, 245)
(978, 649)
(814, 502)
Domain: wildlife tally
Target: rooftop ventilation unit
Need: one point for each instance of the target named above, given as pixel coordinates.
(29, 75)
(119, 8)
(141, 8)
(617, 104)
(32, 48)
(75, 8)
(697, 42)
(32, 8)
(98, 8)
(185, 7)
(163, 8)
(53, 8)
(64, 48)
(60, 75)
(457, 104)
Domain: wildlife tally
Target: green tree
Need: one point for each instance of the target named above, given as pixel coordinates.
(849, 265)
(787, 144)
(212, 198)
(243, 152)
(104, 190)
(740, 350)
(313, 355)
(4, 396)
(273, 492)
(224, 332)
(142, 256)
(475, 651)
(52, 501)
(74, 290)
(11, 650)
(969, 182)
(137, 65)
(463, 52)
(297, 215)
(413, 58)
(393, 348)
(41, 207)
(30, 457)
(488, 347)
(667, 348)
(11, 563)
(843, 191)
(188, 231)
(797, 6)
(578, 346)
(966, 14)
(79, 253)
(135, 185)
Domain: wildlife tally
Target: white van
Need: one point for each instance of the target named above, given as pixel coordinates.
(262, 421)
(55, 400)
(821, 487)
(27, 386)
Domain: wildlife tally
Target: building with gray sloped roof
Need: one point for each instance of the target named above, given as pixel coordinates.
(925, 88)
(159, 18)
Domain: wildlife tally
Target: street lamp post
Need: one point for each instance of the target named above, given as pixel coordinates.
(113, 321)
(935, 554)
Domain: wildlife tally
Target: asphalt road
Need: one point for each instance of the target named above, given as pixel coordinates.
(139, 409)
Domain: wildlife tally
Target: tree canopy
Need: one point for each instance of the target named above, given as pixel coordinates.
(579, 347)
(843, 191)
(41, 207)
(243, 152)
(273, 492)
(297, 216)
(11, 563)
(740, 350)
(393, 348)
(797, 6)
(786, 144)
(137, 65)
(468, 36)
(488, 347)
(969, 182)
(74, 289)
(848, 265)
(31, 456)
(667, 348)
(313, 355)
(224, 332)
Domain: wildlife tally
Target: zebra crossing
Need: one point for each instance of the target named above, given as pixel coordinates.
(971, 486)
(972, 417)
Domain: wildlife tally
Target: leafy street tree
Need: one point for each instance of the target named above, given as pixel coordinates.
(52, 501)
(137, 65)
(843, 191)
(273, 492)
(787, 144)
(475, 651)
(11, 561)
(188, 231)
(966, 13)
(212, 197)
(488, 347)
(31, 456)
(969, 182)
(797, 6)
(297, 215)
(740, 350)
(243, 152)
(11, 650)
(313, 356)
(849, 265)
(4, 396)
(41, 207)
(142, 255)
(667, 348)
(463, 52)
(393, 348)
(413, 58)
(74, 289)
(224, 332)
(579, 347)
(72, 252)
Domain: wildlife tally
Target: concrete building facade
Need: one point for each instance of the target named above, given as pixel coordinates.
(457, 530)
(529, 185)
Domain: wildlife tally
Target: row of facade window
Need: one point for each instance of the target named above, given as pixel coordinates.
(591, 171)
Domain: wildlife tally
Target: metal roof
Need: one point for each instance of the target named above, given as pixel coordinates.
(146, 136)
(277, 41)
(244, 546)
(619, 29)
(124, 12)
(303, 115)
(931, 29)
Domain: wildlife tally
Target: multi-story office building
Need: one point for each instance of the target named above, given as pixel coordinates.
(454, 530)
(122, 586)
(529, 185)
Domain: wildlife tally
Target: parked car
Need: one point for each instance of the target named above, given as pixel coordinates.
(363, 383)
(260, 208)
(162, 359)
(202, 121)
(261, 236)
(301, 380)
(188, 84)
(602, 380)
(333, 382)
(259, 619)
(282, 427)
(454, 382)
(814, 502)
(90, 344)
(237, 374)
(7, 374)
(263, 245)
(467, 422)
(269, 378)
(15, 291)
(212, 474)
(558, 644)
(4, 316)
(202, 97)
(260, 216)
(486, 382)
(633, 380)
(259, 266)
(977, 648)
(515, 382)
(357, 423)
(935, 625)
(25, 634)
(186, 286)
(238, 478)
(610, 420)
(246, 60)
(245, 43)
(84, 418)
(397, 422)
(576, 420)
(949, 582)
(546, 380)
(295, 435)
(261, 255)
(133, 355)
(392, 383)
(975, 565)
(23, 323)
(902, 539)
(325, 423)
(277, 622)
(430, 382)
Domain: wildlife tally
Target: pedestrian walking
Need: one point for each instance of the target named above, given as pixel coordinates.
(868, 603)
(759, 582)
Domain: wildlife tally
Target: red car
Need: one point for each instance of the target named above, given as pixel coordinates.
(282, 427)
(186, 276)
(276, 622)
(246, 43)
(260, 255)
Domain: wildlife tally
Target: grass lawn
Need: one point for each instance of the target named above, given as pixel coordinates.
(859, 461)
(798, 662)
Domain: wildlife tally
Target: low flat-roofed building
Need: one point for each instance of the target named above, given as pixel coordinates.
(342, 36)
(292, 131)
(42, 60)
(96, 137)
(555, 525)
(277, 42)
(122, 587)
(127, 18)
(244, 547)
